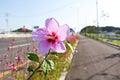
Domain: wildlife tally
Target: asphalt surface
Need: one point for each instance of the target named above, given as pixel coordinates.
(94, 60)
(4, 44)
(20, 46)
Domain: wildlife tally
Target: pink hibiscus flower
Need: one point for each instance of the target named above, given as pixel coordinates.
(19, 59)
(12, 66)
(51, 37)
(24, 29)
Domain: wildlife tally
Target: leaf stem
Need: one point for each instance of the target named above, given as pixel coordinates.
(40, 64)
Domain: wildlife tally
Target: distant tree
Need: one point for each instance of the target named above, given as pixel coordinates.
(21, 30)
(72, 30)
(117, 32)
(110, 29)
(36, 27)
(93, 29)
(89, 29)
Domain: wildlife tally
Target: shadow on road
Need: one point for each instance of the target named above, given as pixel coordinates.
(103, 73)
(113, 56)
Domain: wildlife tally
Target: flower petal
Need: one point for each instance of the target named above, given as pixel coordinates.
(52, 25)
(63, 32)
(44, 47)
(59, 47)
(39, 34)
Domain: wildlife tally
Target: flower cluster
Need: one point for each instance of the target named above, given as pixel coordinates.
(12, 66)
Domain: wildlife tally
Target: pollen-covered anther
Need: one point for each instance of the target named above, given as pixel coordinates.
(50, 37)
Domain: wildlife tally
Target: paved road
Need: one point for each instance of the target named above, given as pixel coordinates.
(6, 41)
(20, 47)
(94, 61)
(4, 44)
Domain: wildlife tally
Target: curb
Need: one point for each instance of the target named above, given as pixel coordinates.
(64, 73)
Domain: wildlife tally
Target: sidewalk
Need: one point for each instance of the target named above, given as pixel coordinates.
(94, 61)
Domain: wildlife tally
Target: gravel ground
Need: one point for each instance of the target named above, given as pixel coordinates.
(94, 60)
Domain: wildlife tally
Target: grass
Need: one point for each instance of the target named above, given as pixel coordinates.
(117, 42)
(105, 39)
(61, 64)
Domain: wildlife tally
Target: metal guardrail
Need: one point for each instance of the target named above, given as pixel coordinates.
(109, 41)
(114, 38)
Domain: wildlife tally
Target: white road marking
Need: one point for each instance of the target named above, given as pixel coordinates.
(21, 45)
(21, 41)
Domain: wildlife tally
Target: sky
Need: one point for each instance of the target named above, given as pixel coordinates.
(77, 14)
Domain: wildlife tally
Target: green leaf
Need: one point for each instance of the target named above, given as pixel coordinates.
(69, 47)
(33, 56)
(47, 66)
(39, 70)
(30, 69)
(50, 63)
(54, 54)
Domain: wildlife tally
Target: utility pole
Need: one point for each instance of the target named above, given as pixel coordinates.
(7, 20)
(97, 18)
(77, 13)
(97, 22)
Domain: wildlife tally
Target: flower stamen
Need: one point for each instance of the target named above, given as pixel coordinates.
(52, 37)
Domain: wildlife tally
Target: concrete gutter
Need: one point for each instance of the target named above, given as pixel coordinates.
(64, 73)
